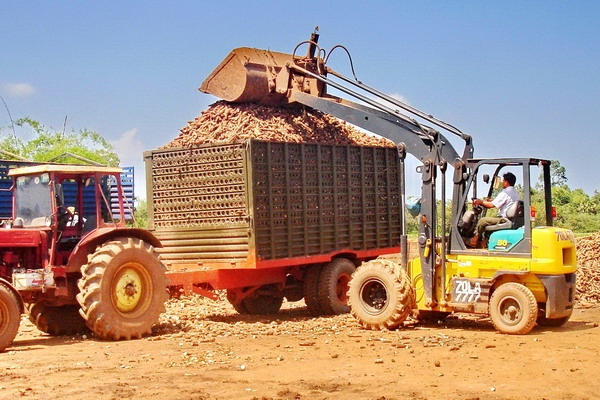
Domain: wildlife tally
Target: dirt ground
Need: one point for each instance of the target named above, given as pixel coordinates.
(205, 350)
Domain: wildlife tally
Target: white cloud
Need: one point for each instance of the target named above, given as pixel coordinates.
(399, 97)
(129, 149)
(18, 89)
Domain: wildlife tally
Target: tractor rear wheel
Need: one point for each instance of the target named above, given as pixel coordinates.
(10, 317)
(57, 320)
(513, 309)
(333, 286)
(123, 289)
(380, 295)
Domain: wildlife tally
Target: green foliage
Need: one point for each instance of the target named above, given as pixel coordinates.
(576, 210)
(140, 214)
(64, 147)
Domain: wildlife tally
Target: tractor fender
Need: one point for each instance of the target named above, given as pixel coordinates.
(10, 287)
(90, 242)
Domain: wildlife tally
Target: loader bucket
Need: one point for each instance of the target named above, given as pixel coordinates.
(248, 75)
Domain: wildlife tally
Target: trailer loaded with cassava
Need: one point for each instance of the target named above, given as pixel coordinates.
(273, 220)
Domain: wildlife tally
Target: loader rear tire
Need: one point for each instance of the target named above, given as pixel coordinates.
(10, 317)
(513, 309)
(380, 295)
(333, 286)
(552, 322)
(311, 289)
(57, 320)
(123, 289)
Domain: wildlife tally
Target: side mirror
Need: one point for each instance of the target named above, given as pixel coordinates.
(486, 178)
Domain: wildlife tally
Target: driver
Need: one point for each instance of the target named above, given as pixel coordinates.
(502, 203)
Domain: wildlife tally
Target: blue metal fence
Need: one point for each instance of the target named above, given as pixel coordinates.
(69, 190)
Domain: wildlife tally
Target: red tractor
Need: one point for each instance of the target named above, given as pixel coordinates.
(69, 261)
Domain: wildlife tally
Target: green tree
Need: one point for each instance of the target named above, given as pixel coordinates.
(558, 174)
(66, 147)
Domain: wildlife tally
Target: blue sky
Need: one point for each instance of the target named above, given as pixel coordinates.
(522, 77)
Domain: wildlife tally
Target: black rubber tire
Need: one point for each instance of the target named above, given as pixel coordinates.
(431, 316)
(552, 322)
(232, 295)
(513, 309)
(311, 289)
(10, 317)
(123, 289)
(57, 320)
(380, 295)
(333, 286)
(263, 304)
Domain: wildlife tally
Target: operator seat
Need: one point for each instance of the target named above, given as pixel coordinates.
(514, 218)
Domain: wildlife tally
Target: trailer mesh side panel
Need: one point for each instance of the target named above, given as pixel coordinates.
(302, 200)
(314, 199)
(199, 202)
(200, 187)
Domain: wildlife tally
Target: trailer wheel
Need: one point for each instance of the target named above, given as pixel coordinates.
(266, 300)
(10, 317)
(232, 296)
(57, 320)
(380, 295)
(311, 289)
(333, 286)
(123, 289)
(513, 309)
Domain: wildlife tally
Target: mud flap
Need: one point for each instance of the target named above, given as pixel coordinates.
(560, 297)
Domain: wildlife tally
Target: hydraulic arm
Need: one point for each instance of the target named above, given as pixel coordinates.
(276, 79)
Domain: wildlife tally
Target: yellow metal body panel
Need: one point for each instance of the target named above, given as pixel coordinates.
(553, 253)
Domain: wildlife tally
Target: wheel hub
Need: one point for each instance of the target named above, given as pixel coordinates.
(511, 311)
(128, 290)
(375, 295)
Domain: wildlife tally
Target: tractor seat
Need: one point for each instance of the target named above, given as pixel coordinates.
(514, 218)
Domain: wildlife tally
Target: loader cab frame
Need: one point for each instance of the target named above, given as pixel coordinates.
(483, 182)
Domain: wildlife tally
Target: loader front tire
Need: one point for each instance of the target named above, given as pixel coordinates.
(10, 317)
(123, 289)
(513, 309)
(380, 295)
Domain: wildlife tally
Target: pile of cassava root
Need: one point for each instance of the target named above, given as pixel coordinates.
(225, 122)
(588, 274)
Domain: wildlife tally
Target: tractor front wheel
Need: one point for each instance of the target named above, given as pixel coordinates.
(123, 289)
(57, 320)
